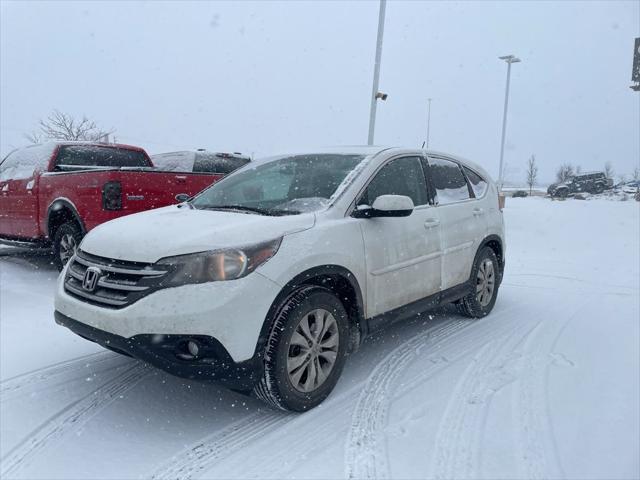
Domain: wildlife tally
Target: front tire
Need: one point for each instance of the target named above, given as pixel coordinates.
(306, 350)
(66, 240)
(485, 275)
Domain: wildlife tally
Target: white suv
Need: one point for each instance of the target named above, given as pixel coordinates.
(266, 281)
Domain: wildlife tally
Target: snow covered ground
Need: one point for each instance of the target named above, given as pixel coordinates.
(547, 386)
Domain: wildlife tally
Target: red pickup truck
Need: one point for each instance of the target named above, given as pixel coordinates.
(54, 193)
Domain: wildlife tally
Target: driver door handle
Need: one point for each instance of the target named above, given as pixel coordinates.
(478, 211)
(431, 223)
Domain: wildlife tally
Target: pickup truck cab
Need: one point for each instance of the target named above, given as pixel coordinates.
(52, 194)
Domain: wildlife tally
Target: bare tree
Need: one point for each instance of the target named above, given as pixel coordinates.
(636, 174)
(62, 126)
(608, 170)
(578, 169)
(532, 172)
(564, 172)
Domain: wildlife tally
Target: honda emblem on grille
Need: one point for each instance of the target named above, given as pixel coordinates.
(91, 277)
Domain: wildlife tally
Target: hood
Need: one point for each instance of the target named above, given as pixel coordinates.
(165, 232)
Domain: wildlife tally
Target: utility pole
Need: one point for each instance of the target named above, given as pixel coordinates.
(376, 74)
(428, 120)
(509, 59)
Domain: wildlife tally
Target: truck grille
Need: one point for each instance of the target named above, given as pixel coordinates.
(116, 284)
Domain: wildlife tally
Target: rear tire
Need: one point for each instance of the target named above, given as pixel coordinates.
(66, 240)
(305, 352)
(485, 277)
(599, 188)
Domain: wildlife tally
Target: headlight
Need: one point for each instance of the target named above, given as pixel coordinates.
(218, 265)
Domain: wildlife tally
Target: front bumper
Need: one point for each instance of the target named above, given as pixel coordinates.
(232, 312)
(167, 352)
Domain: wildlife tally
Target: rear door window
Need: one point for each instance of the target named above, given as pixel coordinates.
(96, 156)
(448, 181)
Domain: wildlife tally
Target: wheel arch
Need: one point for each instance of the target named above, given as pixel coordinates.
(342, 282)
(495, 243)
(60, 211)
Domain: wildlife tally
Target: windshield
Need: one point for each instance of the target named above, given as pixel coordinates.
(286, 186)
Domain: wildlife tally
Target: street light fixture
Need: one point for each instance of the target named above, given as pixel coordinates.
(509, 59)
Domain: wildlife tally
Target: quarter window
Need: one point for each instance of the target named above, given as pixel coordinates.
(403, 176)
(478, 184)
(211, 163)
(448, 180)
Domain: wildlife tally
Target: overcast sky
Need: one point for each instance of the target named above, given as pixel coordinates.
(266, 77)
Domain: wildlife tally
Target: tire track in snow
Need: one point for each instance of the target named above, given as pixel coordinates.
(70, 418)
(15, 386)
(365, 457)
(366, 450)
(537, 444)
(197, 459)
(493, 367)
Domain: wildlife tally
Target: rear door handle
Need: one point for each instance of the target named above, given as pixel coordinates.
(432, 222)
(478, 211)
(181, 178)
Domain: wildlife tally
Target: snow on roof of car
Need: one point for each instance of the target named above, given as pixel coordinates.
(23, 162)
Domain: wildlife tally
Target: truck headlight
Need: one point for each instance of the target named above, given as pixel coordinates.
(218, 265)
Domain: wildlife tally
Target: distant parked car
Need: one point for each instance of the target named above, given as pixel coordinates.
(590, 182)
(631, 187)
(200, 161)
(519, 194)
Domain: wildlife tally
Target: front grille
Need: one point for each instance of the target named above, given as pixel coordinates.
(119, 283)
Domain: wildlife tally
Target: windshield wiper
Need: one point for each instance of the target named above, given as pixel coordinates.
(243, 208)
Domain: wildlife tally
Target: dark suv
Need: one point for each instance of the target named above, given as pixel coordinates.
(591, 182)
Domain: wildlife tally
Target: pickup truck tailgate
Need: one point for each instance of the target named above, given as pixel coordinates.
(154, 189)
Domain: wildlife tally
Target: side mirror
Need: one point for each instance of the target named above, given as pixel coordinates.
(182, 197)
(386, 206)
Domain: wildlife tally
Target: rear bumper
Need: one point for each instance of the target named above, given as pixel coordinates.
(167, 352)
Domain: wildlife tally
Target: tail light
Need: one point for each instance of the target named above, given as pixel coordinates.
(501, 199)
(112, 196)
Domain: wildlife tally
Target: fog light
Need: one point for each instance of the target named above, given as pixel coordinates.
(193, 348)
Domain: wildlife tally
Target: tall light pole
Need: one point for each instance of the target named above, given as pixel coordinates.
(509, 59)
(428, 120)
(376, 74)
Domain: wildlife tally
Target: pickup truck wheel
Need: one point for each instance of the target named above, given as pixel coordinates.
(485, 279)
(562, 193)
(65, 242)
(305, 351)
(599, 188)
